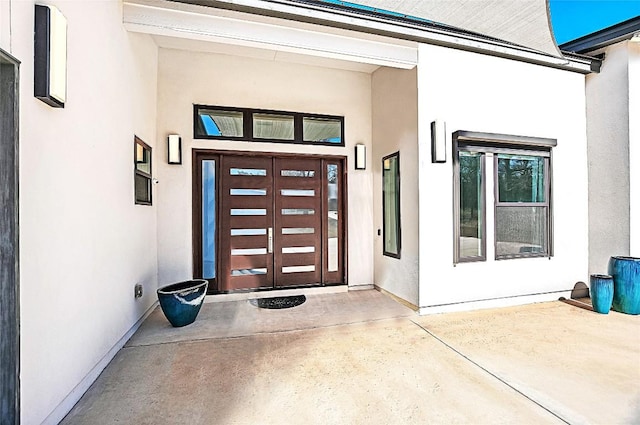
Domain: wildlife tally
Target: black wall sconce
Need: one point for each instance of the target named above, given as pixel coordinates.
(361, 157)
(438, 141)
(174, 149)
(50, 56)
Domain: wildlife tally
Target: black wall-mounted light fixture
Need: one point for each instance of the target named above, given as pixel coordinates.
(50, 56)
(174, 149)
(361, 157)
(438, 141)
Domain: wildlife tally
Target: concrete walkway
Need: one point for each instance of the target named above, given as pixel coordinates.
(361, 358)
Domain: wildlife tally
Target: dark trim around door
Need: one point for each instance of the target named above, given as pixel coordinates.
(333, 278)
(9, 248)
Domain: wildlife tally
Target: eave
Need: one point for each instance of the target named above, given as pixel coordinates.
(202, 19)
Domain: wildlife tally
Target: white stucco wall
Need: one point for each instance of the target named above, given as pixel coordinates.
(395, 129)
(186, 78)
(5, 25)
(608, 129)
(634, 147)
(480, 93)
(83, 242)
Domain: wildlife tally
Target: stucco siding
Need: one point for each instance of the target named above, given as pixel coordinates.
(187, 78)
(486, 94)
(83, 242)
(608, 151)
(395, 129)
(5, 26)
(634, 147)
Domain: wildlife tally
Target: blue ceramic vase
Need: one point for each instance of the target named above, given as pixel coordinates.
(181, 302)
(626, 284)
(601, 286)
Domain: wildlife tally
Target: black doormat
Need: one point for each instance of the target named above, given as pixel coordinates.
(278, 302)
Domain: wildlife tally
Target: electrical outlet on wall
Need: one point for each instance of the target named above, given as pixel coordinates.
(137, 290)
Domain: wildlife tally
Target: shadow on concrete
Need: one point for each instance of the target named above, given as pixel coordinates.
(577, 303)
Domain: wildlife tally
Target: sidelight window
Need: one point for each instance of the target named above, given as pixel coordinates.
(391, 205)
(142, 172)
(471, 229)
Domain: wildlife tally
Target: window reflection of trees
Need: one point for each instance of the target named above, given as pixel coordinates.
(521, 179)
(470, 179)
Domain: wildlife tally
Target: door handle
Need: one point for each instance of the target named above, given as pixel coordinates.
(270, 240)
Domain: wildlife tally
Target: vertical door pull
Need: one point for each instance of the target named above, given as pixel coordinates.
(270, 240)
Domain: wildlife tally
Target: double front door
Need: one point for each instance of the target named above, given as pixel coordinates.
(268, 222)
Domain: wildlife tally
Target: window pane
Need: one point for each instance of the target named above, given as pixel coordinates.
(471, 208)
(521, 231)
(221, 123)
(143, 189)
(321, 130)
(208, 219)
(273, 127)
(391, 205)
(298, 269)
(248, 232)
(332, 194)
(143, 158)
(248, 192)
(249, 251)
(298, 192)
(297, 173)
(520, 178)
(248, 172)
(297, 230)
(248, 211)
(298, 249)
(248, 272)
(298, 211)
(142, 171)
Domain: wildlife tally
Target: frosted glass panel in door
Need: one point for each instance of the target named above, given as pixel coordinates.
(209, 219)
(332, 193)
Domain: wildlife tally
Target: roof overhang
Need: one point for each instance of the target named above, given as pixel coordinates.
(522, 22)
(248, 31)
(313, 28)
(627, 30)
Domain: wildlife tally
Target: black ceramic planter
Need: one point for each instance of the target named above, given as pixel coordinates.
(181, 302)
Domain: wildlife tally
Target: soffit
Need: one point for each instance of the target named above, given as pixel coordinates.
(522, 22)
(262, 54)
(180, 25)
(323, 29)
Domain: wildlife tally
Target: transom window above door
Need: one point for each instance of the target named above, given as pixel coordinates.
(259, 125)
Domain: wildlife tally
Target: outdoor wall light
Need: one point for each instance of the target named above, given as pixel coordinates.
(361, 157)
(50, 56)
(438, 141)
(174, 148)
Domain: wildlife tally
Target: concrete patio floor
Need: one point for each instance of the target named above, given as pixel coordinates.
(361, 358)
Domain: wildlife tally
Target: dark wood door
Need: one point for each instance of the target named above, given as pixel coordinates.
(297, 230)
(246, 223)
(279, 221)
